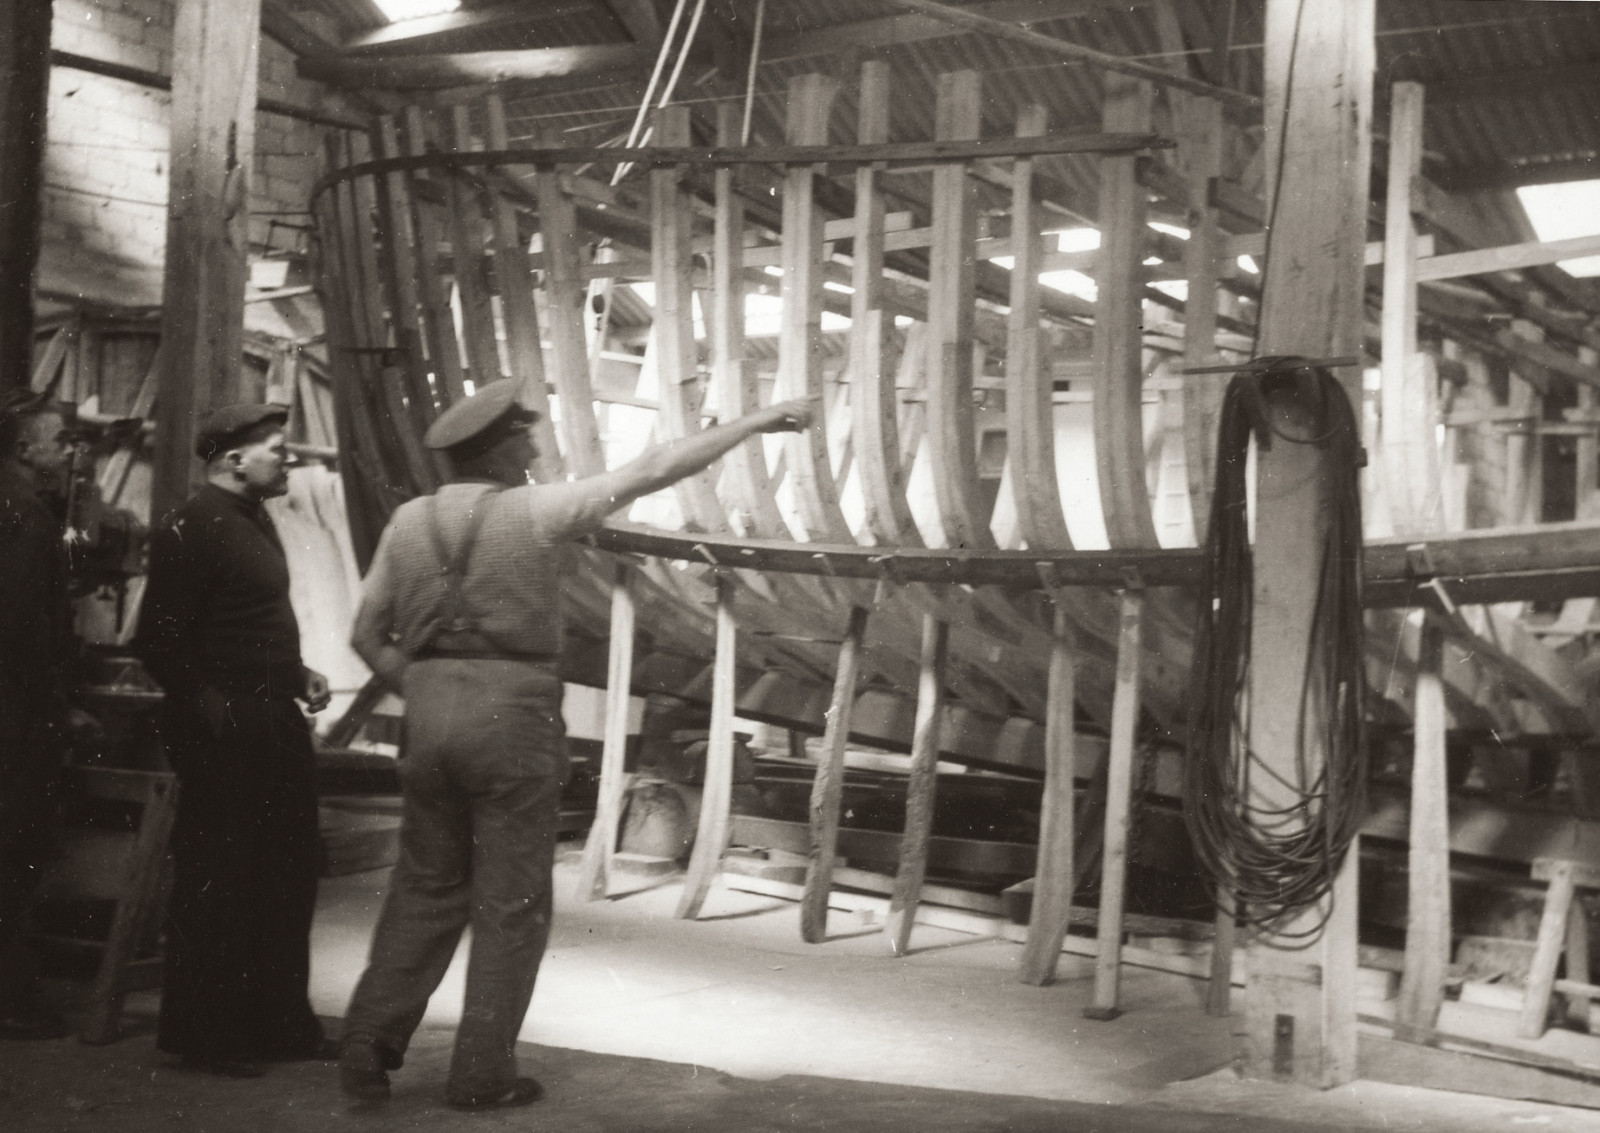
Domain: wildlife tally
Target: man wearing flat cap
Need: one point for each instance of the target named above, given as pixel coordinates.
(218, 633)
(461, 613)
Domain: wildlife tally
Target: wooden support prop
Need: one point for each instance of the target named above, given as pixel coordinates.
(800, 336)
(1054, 874)
(677, 354)
(874, 401)
(1200, 139)
(1562, 877)
(514, 275)
(827, 790)
(438, 320)
(1118, 337)
(736, 385)
(1219, 988)
(1427, 954)
(1030, 410)
(711, 838)
(565, 292)
(471, 269)
(594, 870)
(921, 789)
(1300, 999)
(1407, 429)
(1523, 499)
(215, 46)
(1119, 808)
(951, 435)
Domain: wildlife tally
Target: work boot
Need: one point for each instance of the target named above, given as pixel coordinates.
(362, 1075)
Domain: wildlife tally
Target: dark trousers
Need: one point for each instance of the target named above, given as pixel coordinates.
(30, 765)
(483, 766)
(246, 857)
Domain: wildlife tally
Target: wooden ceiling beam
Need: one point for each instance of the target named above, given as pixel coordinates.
(451, 30)
(434, 72)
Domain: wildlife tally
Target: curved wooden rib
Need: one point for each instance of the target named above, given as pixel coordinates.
(951, 299)
(1118, 343)
(1199, 128)
(466, 250)
(444, 351)
(800, 345)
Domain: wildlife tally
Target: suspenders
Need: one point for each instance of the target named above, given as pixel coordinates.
(458, 616)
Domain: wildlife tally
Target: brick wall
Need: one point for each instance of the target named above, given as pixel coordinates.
(106, 169)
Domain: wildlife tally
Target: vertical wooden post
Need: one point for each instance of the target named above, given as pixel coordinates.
(471, 270)
(677, 355)
(444, 347)
(565, 293)
(800, 333)
(594, 870)
(1407, 435)
(514, 275)
(1030, 407)
(1427, 954)
(1054, 874)
(1119, 806)
(952, 444)
(24, 96)
(827, 789)
(921, 790)
(1118, 332)
(716, 796)
(215, 44)
(1219, 985)
(874, 400)
(1300, 1002)
(1199, 128)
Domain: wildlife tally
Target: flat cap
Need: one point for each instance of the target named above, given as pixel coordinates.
(222, 427)
(470, 416)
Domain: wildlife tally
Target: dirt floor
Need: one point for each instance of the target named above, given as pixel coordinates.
(732, 1024)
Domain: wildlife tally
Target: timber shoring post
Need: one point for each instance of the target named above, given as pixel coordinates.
(1054, 875)
(922, 786)
(1119, 803)
(444, 350)
(1427, 950)
(716, 797)
(466, 249)
(827, 789)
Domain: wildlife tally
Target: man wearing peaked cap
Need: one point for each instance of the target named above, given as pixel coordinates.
(461, 614)
(217, 631)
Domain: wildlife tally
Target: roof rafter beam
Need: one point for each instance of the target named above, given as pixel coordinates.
(447, 30)
(1509, 83)
(425, 72)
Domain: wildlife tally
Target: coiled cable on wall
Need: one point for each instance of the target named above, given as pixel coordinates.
(1279, 859)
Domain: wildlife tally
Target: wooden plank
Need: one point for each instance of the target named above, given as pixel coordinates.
(594, 869)
(827, 789)
(397, 235)
(514, 276)
(215, 45)
(950, 440)
(1427, 951)
(565, 292)
(1506, 257)
(716, 795)
(1055, 875)
(874, 400)
(1319, 67)
(735, 384)
(1118, 338)
(1030, 410)
(1119, 809)
(48, 365)
(921, 788)
(677, 355)
(816, 495)
(1200, 139)
(1548, 945)
(471, 269)
(438, 321)
(1405, 463)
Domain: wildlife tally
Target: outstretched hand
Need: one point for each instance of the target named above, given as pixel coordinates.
(791, 416)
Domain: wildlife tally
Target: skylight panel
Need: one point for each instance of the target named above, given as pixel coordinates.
(401, 10)
(1562, 212)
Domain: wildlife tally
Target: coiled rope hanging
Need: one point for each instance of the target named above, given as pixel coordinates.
(1279, 859)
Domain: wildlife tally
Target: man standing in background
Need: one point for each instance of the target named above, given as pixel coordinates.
(217, 631)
